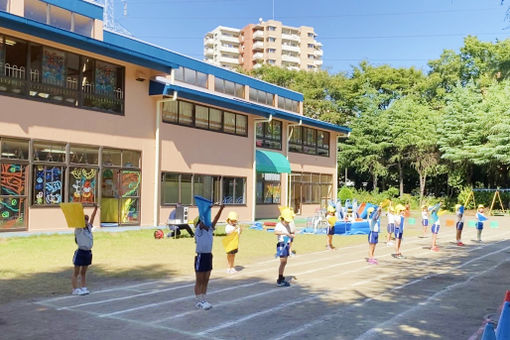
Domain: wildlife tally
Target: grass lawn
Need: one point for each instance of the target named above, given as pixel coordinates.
(41, 266)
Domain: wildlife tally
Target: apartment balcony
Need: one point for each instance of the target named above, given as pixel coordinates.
(259, 45)
(258, 56)
(209, 42)
(290, 59)
(208, 51)
(258, 35)
(256, 66)
(229, 49)
(229, 60)
(318, 44)
(291, 37)
(318, 53)
(292, 68)
(291, 48)
(318, 62)
(229, 38)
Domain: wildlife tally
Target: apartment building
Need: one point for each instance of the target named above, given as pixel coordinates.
(268, 42)
(89, 115)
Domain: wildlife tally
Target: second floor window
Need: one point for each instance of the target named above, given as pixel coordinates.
(269, 135)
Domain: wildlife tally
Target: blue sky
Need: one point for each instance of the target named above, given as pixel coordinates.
(401, 33)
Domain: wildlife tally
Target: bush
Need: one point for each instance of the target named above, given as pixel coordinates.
(345, 194)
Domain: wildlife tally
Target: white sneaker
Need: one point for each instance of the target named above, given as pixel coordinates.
(206, 305)
(199, 305)
(84, 291)
(233, 270)
(77, 291)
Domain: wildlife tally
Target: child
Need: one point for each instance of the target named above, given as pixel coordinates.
(479, 225)
(373, 236)
(459, 211)
(391, 225)
(203, 259)
(230, 228)
(83, 255)
(283, 234)
(399, 230)
(435, 225)
(331, 226)
(424, 219)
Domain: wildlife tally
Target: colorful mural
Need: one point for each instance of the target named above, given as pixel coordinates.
(47, 185)
(53, 67)
(130, 182)
(12, 185)
(106, 78)
(83, 189)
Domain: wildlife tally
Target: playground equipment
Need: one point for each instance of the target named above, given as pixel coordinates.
(496, 198)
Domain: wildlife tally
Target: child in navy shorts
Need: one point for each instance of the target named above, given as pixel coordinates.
(331, 226)
(399, 230)
(203, 259)
(479, 225)
(82, 257)
(424, 219)
(373, 236)
(435, 225)
(459, 212)
(391, 224)
(283, 234)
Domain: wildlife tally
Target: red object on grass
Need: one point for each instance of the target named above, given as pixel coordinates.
(269, 224)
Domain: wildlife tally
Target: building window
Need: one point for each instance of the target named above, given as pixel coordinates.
(271, 39)
(4, 5)
(271, 50)
(58, 17)
(13, 181)
(228, 87)
(180, 188)
(271, 28)
(261, 97)
(203, 117)
(83, 171)
(190, 76)
(271, 61)
(311, 188)
(234, 189)
(268, 188)
(311, 46)
(310, 35)
(309, 141)
(60, 77)
(269, 135)
(288, 104)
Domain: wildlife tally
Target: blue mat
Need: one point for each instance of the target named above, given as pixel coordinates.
(352, 228)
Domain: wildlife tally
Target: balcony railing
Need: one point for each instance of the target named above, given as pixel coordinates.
(65, 91)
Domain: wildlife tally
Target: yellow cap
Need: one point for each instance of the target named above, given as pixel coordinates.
(370, 210)
(480, 206)
(457, 206)
(287, 215)
(424, 206)
(400, 208)
(331, 209)
(233, 216)
(195, 221)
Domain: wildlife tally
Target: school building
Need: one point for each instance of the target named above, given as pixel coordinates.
(89, 115)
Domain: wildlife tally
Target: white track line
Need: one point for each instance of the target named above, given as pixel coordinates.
(367, 300)
(373, 331)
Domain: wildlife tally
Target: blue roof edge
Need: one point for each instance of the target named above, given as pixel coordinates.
(198, 65)
(159, 88)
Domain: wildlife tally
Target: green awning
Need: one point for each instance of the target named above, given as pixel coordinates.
(271, 162)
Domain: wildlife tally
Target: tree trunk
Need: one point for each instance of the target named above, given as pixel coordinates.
(374, 176)
(401, 178)
(423, 180)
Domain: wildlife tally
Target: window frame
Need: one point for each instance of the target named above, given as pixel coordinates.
(265, 140)
(299, 145)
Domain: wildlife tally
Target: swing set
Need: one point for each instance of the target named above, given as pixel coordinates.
(496, 198)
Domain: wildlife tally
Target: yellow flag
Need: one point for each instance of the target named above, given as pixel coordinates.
(74, 215)
(231, 241)
(441, 212)
(386, 202)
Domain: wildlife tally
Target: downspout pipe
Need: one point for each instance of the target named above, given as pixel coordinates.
(288, 185)
(254, 179)
(157, 150)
